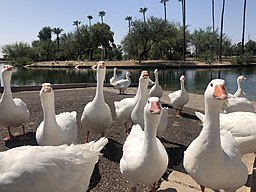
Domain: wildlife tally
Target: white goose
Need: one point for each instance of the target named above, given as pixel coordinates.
(144, 157)
(156, 90)
(234, 104)
(242, 127)
(137, 114)
(97, 116)
(239, 92)
(114, 78)
(123, 84)
(55, 129)
(13, 112)
(163, 123)
(125, 107)
(180, 97)
(213, 159)
(49, 168)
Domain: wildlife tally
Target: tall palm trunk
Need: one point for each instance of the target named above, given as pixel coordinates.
(221, 29)
(165, 18)
(243, 31)
(213, 19)
(184, 29)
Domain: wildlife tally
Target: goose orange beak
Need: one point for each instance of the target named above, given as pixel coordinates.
(220, 92)
(155, 107)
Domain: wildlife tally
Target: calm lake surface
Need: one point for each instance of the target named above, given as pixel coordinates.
(197, 79)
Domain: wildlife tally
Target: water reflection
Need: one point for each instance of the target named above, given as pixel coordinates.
(197, 79)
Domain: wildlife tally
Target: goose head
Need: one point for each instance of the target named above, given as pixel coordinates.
(46, 91)
(216, 93)
(156, 72)
(128, 74)
(115, 69)
(101, 69)
(182, 78)
(7, 72)
(240, 78)
(153, 110)
(144, 78)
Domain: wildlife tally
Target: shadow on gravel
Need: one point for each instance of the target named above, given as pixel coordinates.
(113, 151)
(95, 178)
(18, 141)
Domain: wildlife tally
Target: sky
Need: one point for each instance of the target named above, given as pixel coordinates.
(21, 21)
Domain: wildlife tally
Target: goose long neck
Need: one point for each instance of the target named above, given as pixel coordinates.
(139, 90)
(150, 129)
(48, 109)
(211, 128)
(156, 79)
(7, 94)
(100, 84)
(238, 84)
(182, 86)
(143, 93)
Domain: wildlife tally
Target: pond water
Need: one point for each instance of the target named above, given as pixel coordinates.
(197, 79)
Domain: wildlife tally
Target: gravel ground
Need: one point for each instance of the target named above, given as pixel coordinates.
(107, 176)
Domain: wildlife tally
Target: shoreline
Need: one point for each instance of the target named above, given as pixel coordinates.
(135, 64)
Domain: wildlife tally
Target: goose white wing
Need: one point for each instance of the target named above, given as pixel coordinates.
(132, 144)
(121, 84)
(22, 109)
(49, 168)
(121, 103)
(234, 104)
(68, 126)
(242, 127)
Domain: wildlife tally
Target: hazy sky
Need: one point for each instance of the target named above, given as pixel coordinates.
(22, 20)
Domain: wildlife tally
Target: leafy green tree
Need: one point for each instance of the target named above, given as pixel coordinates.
(164, 3)
(68, 48)
(139, 43)
(101, 35)
(46, 49)
(45, 34)
(101, 15)
(19, 53)
(250, 47)
(57, 32)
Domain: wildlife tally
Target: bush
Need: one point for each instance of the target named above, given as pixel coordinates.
(242, 59)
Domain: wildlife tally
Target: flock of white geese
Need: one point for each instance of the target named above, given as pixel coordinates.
(213, 159)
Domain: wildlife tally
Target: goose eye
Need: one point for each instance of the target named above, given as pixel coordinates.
(211, 84)
(148, 101)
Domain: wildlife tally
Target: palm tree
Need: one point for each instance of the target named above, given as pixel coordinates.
(57, 32)
(213, 19)
(243, 31)
(129, 19)
(183, 4)
(164, 3)
(143, 11)
(101, 15)
(76, 23)
(90, 18)
(221, 29)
